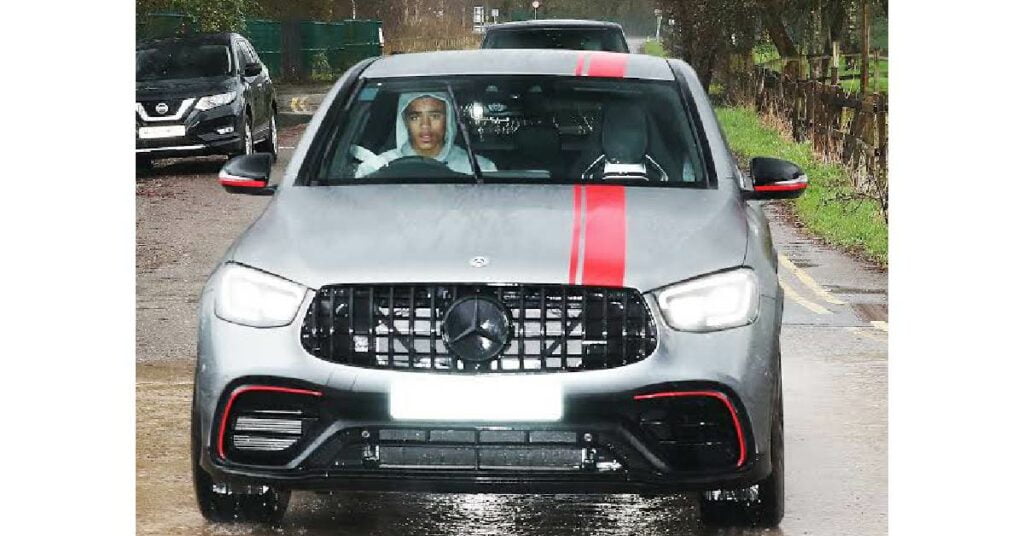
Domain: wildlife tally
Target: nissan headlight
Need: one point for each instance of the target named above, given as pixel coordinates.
(254, 298)
(710, 303)
(213, 101)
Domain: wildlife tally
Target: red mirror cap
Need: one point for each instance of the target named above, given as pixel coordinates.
(799, 183)
(234, 181)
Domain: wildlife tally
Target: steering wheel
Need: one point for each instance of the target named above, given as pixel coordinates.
(415, 167)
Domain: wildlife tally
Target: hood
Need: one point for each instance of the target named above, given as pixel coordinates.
(642, 238)
(402, 133)
(182, 88)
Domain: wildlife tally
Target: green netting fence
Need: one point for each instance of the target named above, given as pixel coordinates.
(290, 49)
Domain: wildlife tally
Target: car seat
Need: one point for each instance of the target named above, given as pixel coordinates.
(624, 149)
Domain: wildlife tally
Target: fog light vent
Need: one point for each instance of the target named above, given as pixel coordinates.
(277, 426)
(263, 444)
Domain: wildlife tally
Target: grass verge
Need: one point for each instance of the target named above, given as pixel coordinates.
(828, 208)
(654, 48)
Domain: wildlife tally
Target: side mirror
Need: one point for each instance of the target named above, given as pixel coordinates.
(775, 178)
(253, 69)
(247, 174)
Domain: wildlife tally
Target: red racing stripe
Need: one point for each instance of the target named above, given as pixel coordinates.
(604, 254)
(608, 64)
(579, 64)
(574, 253)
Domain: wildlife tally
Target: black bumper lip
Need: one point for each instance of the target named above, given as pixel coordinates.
(433, 481)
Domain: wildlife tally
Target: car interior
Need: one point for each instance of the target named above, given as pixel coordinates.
(551, 128)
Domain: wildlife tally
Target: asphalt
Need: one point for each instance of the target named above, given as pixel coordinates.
(835, 369)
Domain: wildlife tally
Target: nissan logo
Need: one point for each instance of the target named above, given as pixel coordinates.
(161, 108)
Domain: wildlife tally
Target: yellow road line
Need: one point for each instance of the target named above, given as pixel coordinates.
(813, 307)
(808, 281)
(880, 325)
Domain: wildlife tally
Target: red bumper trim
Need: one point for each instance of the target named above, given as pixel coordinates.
(246, 389)
(721, 398)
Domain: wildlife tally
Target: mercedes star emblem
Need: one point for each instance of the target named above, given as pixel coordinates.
(476, 328)
(161, 108)
(479, 262)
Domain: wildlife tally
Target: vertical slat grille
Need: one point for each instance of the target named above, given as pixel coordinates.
(552, 327)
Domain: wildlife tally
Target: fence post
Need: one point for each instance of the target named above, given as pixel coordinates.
(835, 63)
(864, 48)
(878, 70)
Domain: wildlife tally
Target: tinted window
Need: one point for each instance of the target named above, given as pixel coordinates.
(544, 129)
(567, 38)
(250, 53)
(182, 61)
(240, 59)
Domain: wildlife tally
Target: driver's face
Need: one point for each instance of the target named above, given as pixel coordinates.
(425, 119)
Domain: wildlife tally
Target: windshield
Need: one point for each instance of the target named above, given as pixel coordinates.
(567, 38)
(182, 61)
(543, 129)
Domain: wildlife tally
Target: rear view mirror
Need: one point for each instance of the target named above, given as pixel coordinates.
(775, 178)
(253, 69)
(247, 174)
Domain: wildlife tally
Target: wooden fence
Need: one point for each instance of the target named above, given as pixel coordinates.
(419, 44)
(841, 127)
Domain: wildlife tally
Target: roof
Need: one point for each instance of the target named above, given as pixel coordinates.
(555, 62)
(223, 38)
(553, 23)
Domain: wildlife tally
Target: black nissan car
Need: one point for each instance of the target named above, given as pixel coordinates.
(202, 95)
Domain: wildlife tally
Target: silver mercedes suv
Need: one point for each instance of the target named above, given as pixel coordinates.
(499, 271)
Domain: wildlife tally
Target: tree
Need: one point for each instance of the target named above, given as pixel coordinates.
(205, 15)
(706, 31)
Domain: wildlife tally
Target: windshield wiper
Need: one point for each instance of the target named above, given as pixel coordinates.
(465, 135)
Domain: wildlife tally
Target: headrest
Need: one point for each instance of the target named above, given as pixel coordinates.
(539, 142)
(624, 133)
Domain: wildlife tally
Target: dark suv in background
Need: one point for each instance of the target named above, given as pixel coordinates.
(552, 33)
(202, 95)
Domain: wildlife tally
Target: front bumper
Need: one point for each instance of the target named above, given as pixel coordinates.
(201, 134)
(614, 442)
(346, 447)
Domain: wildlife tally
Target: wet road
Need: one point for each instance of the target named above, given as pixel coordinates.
(835, 384)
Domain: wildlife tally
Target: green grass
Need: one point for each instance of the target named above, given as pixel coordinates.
(879, 83)
(827, 209)
(654, 48)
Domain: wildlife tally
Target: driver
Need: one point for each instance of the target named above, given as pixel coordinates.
(425, 126)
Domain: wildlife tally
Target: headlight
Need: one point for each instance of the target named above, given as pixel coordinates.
(214, 101)
(719, 301)
(253, 298)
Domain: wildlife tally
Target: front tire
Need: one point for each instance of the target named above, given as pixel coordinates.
(221, 505)
(143, 163)
(269, 145)
(768, 508)
(247, 146)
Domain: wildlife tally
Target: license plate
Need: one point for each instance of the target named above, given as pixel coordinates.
(494, 398)
(173, 131)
